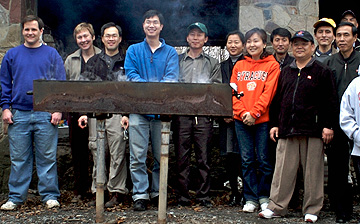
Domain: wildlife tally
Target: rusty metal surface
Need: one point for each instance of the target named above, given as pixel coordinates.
(131, 97)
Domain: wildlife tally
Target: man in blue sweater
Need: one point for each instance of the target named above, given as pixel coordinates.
(149, 61)
(27, 128)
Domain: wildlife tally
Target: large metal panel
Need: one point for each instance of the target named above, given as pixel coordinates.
(133, 97)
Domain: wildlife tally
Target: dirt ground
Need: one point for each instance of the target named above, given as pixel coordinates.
(34, 212)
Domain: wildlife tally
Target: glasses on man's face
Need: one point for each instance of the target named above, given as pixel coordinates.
(109, 36)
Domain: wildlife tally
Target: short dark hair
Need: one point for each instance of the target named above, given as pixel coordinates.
(30, 18)
(108, 25)
(236, 32)
(152, 13)
(263, 37)
(282, 32)
(353, 27)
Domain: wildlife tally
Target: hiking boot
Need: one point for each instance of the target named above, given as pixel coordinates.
(140, 205)
(115, 200)
(9, 206)
(52, 204)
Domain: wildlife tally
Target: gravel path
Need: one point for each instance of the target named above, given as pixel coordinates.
(34, 212)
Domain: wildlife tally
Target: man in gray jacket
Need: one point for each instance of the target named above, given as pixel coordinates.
(195, 67)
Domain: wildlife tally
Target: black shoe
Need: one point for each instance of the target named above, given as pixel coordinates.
(140, 205)
(155, 201)
(206, 203)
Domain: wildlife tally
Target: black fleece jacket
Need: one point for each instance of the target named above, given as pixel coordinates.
(305, 101)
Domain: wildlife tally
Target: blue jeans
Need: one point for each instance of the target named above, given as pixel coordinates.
(256, 164)
(32, 130)
(141, 127)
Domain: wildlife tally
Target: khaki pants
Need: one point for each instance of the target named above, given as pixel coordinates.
(290, 153)
(116, 145)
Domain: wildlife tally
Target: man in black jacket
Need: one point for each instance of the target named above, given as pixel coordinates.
(345, 66)
(302, 114)
(109, 66)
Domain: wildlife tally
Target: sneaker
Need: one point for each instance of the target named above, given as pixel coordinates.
(9, 206)
(263, 206)
(248, 207)
(140, 205)
(268, 214)
(310, 218)
(52, 204)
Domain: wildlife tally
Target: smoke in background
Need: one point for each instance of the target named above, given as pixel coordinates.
(61, 16)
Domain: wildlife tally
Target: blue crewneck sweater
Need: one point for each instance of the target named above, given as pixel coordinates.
(20, 66)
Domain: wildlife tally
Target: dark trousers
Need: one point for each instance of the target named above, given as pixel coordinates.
(80, 154)
(338, 155)
(188, 132)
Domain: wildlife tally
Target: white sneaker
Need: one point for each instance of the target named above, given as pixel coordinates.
(310, 218)
(263, 206)
(52, 204)
(268, 214)
(248, 207)
(9, 206)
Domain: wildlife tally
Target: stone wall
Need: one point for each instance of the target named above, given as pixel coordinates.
(11, 12)
(271, 14)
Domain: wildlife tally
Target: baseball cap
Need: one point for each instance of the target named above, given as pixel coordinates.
(198, 25)
(305, 35)
(348, 12)
(324, 21)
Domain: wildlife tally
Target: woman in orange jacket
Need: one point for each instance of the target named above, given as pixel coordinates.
(257, 77)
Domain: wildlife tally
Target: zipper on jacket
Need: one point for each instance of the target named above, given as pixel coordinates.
(345, 67)
(293, 99)
(296, 86)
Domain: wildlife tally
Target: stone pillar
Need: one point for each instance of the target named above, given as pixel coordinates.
(270, 14)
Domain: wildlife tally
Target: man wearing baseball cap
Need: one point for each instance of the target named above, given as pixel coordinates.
(324, 35)
(302, 115)
(349, 16)
(195, 67)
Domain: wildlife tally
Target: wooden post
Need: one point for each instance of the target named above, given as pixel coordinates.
(164, 159)
(100, 170)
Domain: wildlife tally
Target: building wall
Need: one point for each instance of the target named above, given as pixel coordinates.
(271, 14)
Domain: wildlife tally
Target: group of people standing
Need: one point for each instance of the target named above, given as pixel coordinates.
(290, 110)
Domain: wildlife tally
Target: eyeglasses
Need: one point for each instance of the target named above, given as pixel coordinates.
(108, 36)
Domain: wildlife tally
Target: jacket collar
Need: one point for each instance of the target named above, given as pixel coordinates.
(310, 63)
